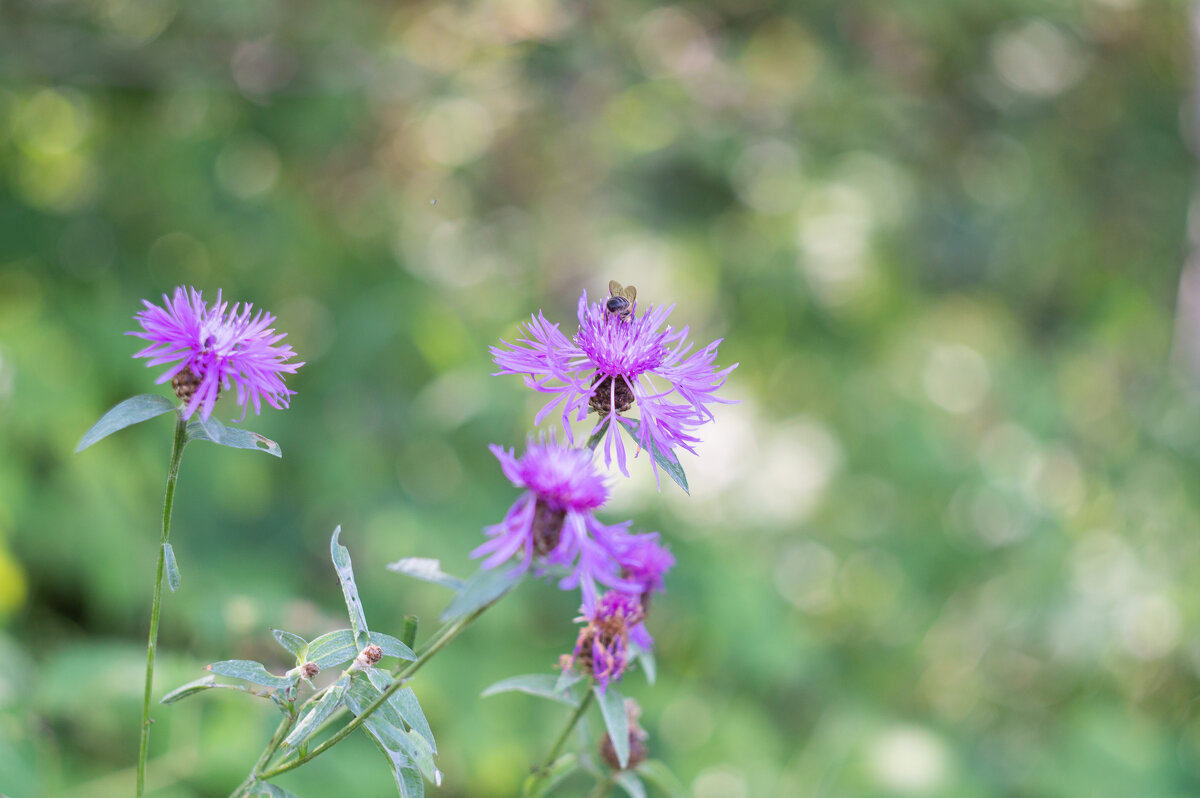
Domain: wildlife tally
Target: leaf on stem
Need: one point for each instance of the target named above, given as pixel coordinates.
(404, 702)
(294, 644)
(262, 789)
(345, 573)
(408, 752)
(132, 411)
(649, 665)
(612, 707)
(172, 567)
(250, 671)
(666, 460)
(203, 684)
(233, 437)
(628, 781)
(657, 773)
(594, 441)
(542, 685)
(484, 587)
(339, 647)
(322, 708)
(426, 569)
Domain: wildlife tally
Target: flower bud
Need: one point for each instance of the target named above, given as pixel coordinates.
(367, 658)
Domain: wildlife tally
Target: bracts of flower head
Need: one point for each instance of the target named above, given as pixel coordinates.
(613, 362)
(637, 740)
(602, 647)
(212, 349)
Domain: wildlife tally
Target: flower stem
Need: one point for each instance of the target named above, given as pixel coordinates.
(152, 645)
(540, 773)
(436, 643)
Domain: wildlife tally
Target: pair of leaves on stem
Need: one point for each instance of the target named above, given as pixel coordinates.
(143, 407)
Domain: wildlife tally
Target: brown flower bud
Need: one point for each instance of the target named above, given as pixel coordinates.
(309, 669)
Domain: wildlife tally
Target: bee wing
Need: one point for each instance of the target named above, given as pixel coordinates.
(614, 288)
(630, 293)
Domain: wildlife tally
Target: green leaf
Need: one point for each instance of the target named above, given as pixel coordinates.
(427, 570)
(612, 707)
(594, 441)
(554, 775)
(657, 773)
(648, 663)
(405, 749)
(628, 781)
(568, 677)
(542, 685)
(250, 671)
(404, 702)
(333, 648)
(666, 460)
(172, 567)
(345, 573)
(322, 708)
(132, 411)
(233, 437)
(392, 647)
(295, 644)
(483, 588)
(262, 789)
(203, 684)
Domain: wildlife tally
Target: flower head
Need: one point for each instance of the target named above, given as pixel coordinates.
(602, 647)
(614, 362)
(212, 349)
(553, 519)
(645, 561)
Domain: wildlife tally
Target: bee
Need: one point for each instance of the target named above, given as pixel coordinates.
(620, 300)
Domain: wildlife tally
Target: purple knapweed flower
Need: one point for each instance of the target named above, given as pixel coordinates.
(602, 647)
(645, 561)
(214, 348)
(553, 519)
(613, 362)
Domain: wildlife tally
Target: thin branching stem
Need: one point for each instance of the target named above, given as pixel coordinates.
(156, 605)
(540, 773)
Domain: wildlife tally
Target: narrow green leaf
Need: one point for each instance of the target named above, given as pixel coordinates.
(294, 644)
(250, 671)
(649, 664)
(172, 567)
(658, 774)
(666, 460)
(233, 437)
(542, 685)
(612, 707)
(404, 702)
(409, 636)
(568, 677)
(132, 411)
(203, 684)
(333, 648)
(427, 570)
(263, 789)
(322, 708)
(483, 588)
(628, 781)
(345, 573)
(405, 749)
(594, 441)
(392, 647)
(558, 771)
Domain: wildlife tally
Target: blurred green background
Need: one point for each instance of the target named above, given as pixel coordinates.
(946, 545)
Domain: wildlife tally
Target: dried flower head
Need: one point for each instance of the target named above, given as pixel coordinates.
(614, 363)
(367, 658)
(213, 349)
(553, 519)
(602, 647)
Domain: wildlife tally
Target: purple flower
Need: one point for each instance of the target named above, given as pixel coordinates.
(553, 519)
(212, 348)
(602, 647)
(613, 363)
(645, 561)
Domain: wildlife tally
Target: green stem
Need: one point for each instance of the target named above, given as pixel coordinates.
(152, 645)
(281, 732)
(435, 644)
(602, 787)
(540, 773)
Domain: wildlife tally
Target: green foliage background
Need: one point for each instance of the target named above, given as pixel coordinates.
(946, 545)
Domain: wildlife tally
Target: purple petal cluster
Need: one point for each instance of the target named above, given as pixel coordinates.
(612, 364)
(602, 647)
(553, 522)
(212, 349)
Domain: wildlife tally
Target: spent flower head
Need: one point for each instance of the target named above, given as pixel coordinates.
(215, 348)
(553, 519)
(602, 648)
(614, 362)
